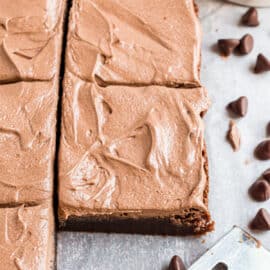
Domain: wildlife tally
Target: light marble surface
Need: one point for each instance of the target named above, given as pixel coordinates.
(230, 173)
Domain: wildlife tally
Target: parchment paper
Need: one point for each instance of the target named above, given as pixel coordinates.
(230, 173)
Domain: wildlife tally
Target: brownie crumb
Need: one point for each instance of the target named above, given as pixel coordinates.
(233, 136)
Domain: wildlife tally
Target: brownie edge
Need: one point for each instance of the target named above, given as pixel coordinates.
(189, 222)
(192, 221)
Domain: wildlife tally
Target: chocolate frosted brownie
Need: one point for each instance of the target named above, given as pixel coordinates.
(135, 42)
(30, 39)
(27, 141)
(132, 159)
(30, 53)
(27, 237)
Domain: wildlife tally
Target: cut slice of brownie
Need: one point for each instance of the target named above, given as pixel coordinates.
(133, 159)
(135, 42)
(30, 51)
(30, 39)
(27, 141)
(27, 237)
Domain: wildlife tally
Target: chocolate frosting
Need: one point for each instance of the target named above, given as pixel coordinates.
(30, 39)
(27, 239)
(134, 149)
(27, 141)
(134, 42)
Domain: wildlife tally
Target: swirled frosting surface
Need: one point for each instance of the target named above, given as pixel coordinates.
(27, 239)
(131, 148)
(30, 39)
(27, 141)
(134, 42)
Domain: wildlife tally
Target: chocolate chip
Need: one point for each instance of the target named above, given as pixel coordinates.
(266, 175)
(268, 130)
(261, 221)
(262, 64)
(262, 151)
(176, 264)
(246, 44)
(250, 18)
(239, 106)
(227, 46)
(260, 190)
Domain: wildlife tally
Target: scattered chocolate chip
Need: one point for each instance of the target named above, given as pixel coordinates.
(261, 221)
(246, 44)
(233, 136)
(220, 266)
(176, 264)
(250, 18)
(227, 46)
(260, 190)
(266, 175)
(268, 130)
(239, 106)
(262, 64)
(262, 151)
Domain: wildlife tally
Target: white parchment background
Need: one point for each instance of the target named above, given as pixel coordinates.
(230, 173)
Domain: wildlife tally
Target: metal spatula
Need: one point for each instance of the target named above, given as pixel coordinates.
(253, 3)
(237, 250)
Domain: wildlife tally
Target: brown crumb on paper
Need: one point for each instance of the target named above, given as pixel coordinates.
(247, 161)
(233, 136)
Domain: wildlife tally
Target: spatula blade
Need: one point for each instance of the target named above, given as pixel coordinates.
(237, 250)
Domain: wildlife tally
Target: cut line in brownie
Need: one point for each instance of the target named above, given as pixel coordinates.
(154, 42)
(132, 156)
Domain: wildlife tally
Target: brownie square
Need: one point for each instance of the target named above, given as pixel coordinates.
(133, 159)
(30, 39)
(27, 141)
(135, 42)
(27, 237)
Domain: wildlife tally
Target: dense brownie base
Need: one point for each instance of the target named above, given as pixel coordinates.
(192, 222)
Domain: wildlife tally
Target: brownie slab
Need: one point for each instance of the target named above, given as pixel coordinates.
(27, 141)
(27, 237)
(135, 42)
(131, 156)
(30, 39)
